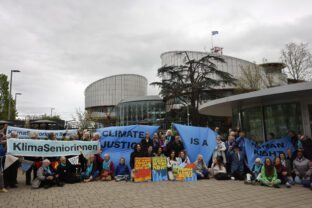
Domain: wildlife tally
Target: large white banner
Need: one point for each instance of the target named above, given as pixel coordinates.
(49, 148)
(43, 134)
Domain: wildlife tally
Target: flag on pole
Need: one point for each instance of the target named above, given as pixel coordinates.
(214, 32)
(9, 160)
(26, 165)
(74, 160)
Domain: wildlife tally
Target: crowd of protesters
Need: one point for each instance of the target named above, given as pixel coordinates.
(229, 161)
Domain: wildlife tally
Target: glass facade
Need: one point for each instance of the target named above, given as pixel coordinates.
(149, 112)
(278, 119)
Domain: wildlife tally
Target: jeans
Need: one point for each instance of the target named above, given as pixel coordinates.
(204, 172)
(94, 175)
(121, 177)
(303, 181)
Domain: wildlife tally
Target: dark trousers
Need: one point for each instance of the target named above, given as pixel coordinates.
(10, 174)
(28, 174)
(239, 175)
(221, 176)
(205, 173)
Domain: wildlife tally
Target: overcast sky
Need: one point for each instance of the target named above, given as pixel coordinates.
(61, 46)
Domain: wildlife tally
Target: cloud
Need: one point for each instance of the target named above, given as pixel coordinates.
(62, 46)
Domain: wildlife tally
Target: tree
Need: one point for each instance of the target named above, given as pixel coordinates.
(186, 82)
(84, 118)
(255, 77)
(298, 60)
(4, 99)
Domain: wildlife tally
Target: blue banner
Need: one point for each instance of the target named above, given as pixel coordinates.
(49, 148)
(23, 133)
(197, 140)
(119, 141)
(269, 149)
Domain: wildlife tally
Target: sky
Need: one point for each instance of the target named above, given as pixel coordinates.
(61, 46)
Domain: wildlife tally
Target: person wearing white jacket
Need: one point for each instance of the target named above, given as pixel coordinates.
(219, 150)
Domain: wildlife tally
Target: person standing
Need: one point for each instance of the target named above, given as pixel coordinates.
(146, 142)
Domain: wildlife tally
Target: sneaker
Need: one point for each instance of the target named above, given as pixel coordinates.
(4, 190)
(232, 178)
(276, 186)
(288, 185)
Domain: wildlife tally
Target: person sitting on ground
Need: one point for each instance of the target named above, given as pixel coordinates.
(136, 153)
(183, 158)
(176, 146)
(159, 152)
(269, 175)
(46, 176)
(281, 171)
(301, 166)
(146, 142)
(201, 168)
(171, 161)
(219, 150)
(90, 171)
(96, 136)
(219, 170)
(307, 180)
(122, 171)
(256, 172)
(66, 172)
(150, 151)
(107, 173)
(238, 162)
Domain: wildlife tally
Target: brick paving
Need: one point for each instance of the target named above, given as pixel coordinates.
(207, 193)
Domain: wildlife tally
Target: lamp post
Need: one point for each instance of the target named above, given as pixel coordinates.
(9, 112)
(52, 111)
(16, 94)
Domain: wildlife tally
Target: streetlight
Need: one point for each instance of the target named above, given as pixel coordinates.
(52, 111)
(16, 94)
(9, 112)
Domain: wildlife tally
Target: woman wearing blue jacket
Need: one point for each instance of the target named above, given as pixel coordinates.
(122, 171)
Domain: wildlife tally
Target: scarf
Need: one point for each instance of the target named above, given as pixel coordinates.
(47, 170)
(258, 168)
(106, 165)
(89, 169)
(63, 165)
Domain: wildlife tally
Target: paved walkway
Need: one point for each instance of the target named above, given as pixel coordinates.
(207, 193)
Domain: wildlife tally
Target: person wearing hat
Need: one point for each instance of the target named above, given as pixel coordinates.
(46, 176)
(238, 163)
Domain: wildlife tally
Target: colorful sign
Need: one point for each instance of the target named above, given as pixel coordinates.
(143, 171)
(160, 172)
(185, 172)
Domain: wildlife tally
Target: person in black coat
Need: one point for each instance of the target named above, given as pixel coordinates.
(136, 153)
(146, 142)
(66, 172)
(177, 146)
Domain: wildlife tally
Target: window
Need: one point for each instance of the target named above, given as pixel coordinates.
(281, 118)
(252, 123)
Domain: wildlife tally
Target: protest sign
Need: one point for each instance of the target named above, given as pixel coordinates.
(269, 149)
(197, 140)
(143, 171)
(43, 134)
(159, 169)
(185, 172)
(48, 148)
(119, 141)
